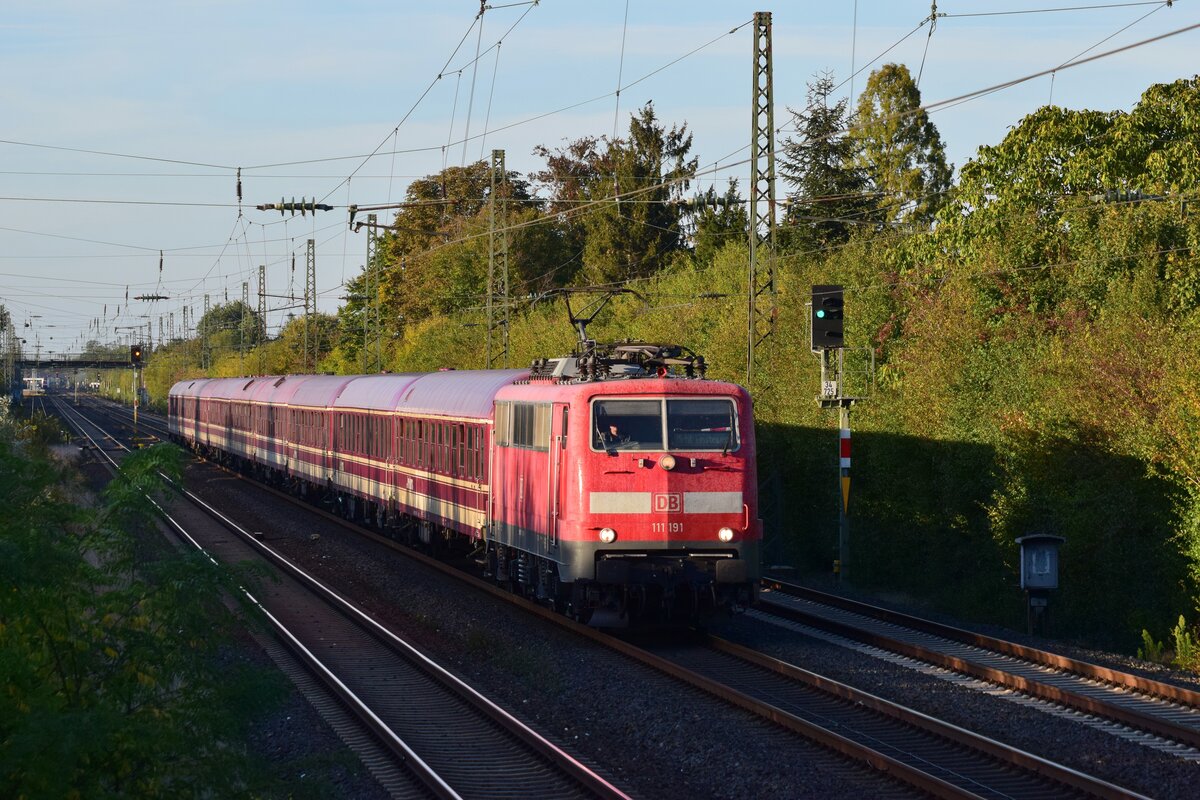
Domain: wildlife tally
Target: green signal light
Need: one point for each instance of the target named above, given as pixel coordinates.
(821, 314)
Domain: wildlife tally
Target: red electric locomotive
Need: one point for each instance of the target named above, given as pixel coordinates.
(616, 483)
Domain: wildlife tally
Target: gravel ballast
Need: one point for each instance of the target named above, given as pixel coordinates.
(648, 734)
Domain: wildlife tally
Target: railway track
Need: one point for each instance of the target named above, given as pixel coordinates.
(933, 756)
(1167, 715)
(425, 718)
(937, 757)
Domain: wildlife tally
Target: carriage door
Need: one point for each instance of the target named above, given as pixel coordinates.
(558, 451)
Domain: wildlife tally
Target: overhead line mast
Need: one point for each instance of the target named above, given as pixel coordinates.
(497, 324)
(262, 296)
(762, 311)
(371, 315)
(310, 303)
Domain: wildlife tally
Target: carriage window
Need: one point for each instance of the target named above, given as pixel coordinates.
(701, 425)
(525, 425)
(460, 448)
(522, 435)
(627, 425)
(471, 443)
(503, 424)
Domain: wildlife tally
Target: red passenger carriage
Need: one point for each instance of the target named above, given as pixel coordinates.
(614, 481)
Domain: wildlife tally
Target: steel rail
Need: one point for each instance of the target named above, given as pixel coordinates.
(809, 730)
(997, 750)
(1167, 691)
(1035, 688)
(560, 758)
(828, 738)
(833, 740)
(399, 748)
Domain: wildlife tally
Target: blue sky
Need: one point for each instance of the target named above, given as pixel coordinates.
(206, 87)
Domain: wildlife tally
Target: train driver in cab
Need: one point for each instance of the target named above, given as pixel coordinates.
(610, 435)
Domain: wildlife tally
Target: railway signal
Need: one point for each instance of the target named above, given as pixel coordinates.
(135, 354)
(829, 342)
(827, 317)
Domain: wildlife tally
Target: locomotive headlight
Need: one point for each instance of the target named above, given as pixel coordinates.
(725, 534)
(608, 535)
(667, 462)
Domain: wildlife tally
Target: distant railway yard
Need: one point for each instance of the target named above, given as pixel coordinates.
(408, 658)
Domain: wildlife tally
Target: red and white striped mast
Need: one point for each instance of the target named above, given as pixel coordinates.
(828, 338)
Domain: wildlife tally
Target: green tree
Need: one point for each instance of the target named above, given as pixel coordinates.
(827, 202)
(635, 236)
(716, 221)
(436, 258)
(114, 681)
(1155, 143)
(285, 353)
(231, 326)
(99, 351)
(899, 149)
(570, 175)
(1051, 154)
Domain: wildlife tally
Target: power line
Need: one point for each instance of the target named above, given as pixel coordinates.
(1069, 65)
(410, 110)
(927, 107)
(1051, 10)
(109, 202)
(114, 155)
(1102, 41)
(620, 70)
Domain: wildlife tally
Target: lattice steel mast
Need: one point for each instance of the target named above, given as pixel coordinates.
(262, 297)
(762, 310)
(205, 322)
(370, 299)
(310, 303)
(498, 265)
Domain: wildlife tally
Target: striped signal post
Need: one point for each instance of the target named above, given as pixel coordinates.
(828, 339)
(844, 481)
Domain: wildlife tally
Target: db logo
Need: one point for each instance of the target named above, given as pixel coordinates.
(668, 502)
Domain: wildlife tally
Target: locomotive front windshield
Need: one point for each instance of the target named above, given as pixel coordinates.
(691, 424)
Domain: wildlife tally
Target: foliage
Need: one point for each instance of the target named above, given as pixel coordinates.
(1184, 652)
(115, 674)
(827, 200)
(232, 325)
(633, 235)
(717, 221)
(436, 259)
(899, 148)
(1150, 650)
(1187, 653)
